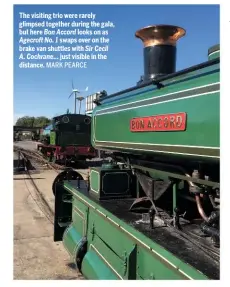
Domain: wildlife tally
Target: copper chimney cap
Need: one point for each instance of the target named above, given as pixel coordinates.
(160, 35)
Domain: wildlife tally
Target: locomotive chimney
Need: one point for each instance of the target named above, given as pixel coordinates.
(159, 50)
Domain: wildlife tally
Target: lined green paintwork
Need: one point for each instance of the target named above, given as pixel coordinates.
(94, 180)
(75, 232)
(214, 55)
(71, 240)
(214, 52)
(95, 268)
(112, 245)
(53, 138)
(203, 118)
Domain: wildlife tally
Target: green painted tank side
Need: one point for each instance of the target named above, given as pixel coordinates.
(53, 138)
(111, 128)
(116, 250)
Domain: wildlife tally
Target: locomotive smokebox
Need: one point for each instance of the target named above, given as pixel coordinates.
(159, 50)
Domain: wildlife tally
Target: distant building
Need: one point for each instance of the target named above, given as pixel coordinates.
(26, 133)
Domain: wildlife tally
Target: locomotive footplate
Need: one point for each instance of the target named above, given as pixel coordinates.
(167, 237)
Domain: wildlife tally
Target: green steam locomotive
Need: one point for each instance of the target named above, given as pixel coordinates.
(153, 212)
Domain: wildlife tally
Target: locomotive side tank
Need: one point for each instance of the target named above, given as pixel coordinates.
(168, 114)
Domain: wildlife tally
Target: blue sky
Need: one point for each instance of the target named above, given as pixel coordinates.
(44, 92)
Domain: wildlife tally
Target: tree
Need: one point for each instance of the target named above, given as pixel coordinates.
(41, 121)
(33, 121)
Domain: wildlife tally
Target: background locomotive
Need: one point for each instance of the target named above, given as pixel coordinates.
(67, 139)
(153, 213)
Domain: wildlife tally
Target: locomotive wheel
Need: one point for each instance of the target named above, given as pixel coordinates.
(67, 174)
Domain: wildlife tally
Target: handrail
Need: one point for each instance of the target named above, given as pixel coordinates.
(164, 78)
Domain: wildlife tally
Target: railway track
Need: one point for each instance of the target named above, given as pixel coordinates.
(36, 161)
(23, 162)
(39, 162)
(38, 158)
(24, 166)
(30, 162)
